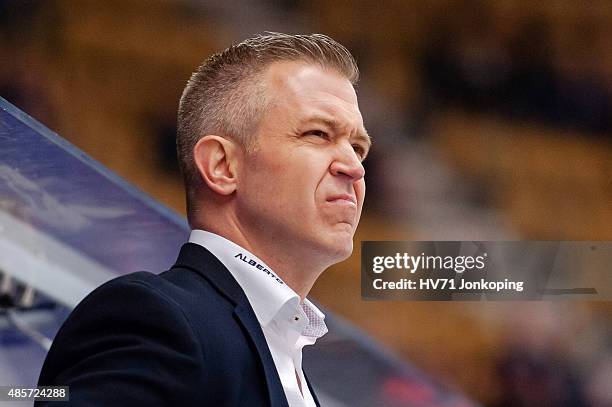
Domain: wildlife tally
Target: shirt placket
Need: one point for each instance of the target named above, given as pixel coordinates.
(289, 336)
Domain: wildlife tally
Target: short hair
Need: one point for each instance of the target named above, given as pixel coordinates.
(225, 97)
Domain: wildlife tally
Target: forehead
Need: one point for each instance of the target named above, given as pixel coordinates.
(302, 90)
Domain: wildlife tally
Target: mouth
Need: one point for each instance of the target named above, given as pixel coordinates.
(343, 199)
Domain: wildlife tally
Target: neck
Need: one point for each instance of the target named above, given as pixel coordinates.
(287, 262)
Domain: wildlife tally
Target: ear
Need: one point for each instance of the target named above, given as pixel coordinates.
(216, 160)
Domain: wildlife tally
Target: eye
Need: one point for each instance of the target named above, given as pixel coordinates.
(317, 133)
(360, 150)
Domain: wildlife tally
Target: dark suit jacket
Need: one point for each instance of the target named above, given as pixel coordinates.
(186, 337)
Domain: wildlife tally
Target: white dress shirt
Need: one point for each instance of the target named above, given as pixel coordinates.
(287, 323)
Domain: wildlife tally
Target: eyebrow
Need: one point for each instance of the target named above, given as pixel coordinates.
(362, 133)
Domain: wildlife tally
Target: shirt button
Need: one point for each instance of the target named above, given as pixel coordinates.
(296, 318)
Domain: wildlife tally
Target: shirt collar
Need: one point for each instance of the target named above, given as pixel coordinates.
(267, 293)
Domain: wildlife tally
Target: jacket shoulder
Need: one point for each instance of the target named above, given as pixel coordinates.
(126, 343)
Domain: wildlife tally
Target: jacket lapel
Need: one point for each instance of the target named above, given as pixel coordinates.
(250, 323)
(197, 258)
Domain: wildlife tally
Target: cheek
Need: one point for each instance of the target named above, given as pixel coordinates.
(289, 180)
(280, 188)
(360, 188)
(305, 175)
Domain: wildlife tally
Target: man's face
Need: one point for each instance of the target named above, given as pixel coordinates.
(302, 189)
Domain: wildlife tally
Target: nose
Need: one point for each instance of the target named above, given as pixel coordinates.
(348, 164)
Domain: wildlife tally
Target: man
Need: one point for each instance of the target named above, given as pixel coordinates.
(271, 143)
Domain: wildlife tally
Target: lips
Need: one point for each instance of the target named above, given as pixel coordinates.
(343, 199)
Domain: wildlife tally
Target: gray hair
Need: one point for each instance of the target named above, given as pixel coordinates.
(224, 97)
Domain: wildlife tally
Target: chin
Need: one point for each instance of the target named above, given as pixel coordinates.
(335, 244)
(341, 249)
(346, 252)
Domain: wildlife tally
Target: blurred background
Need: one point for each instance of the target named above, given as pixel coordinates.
(491, 120)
